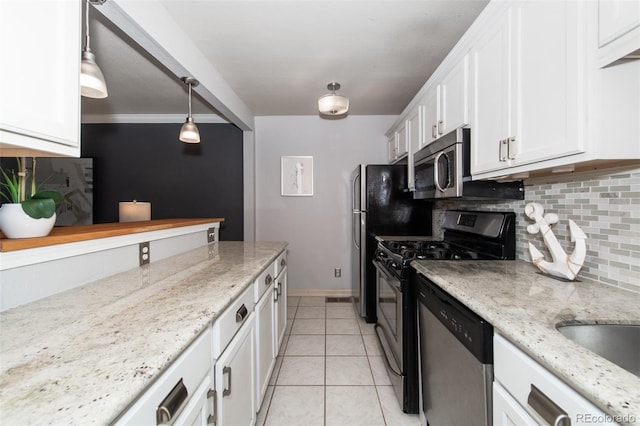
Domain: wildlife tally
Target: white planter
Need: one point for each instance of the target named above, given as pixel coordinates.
(15, 223)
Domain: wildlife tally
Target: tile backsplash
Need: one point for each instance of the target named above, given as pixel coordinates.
(604, 204)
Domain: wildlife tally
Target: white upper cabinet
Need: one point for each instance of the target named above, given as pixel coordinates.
(40, 77)
(527, 86)
(618, 30)
(454, 98)
(431, 115)
(415, 135)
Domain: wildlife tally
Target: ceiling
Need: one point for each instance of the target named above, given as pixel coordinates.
(278, 56)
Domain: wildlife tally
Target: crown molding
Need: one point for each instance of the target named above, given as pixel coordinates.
(149, 118)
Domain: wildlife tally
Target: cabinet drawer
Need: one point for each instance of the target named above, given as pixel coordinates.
(190, 368)
(281, 263)
(517, 373)
(264, 281)
(227, 324)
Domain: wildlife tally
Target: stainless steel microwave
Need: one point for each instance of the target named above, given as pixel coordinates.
(442, 170)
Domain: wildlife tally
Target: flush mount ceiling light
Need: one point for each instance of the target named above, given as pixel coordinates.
(189, 132)
(92, 84)
(332, 104)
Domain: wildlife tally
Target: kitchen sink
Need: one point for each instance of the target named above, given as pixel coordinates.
(619, 343)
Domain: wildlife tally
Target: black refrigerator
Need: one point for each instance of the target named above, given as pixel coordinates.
(381, 205)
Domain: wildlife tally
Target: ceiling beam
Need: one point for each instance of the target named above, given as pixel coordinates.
(150, 26)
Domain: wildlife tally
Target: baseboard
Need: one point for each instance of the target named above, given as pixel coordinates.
(311, 292)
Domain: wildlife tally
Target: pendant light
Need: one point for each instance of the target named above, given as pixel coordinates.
(92, 84)
(189, 132)
(332, 104)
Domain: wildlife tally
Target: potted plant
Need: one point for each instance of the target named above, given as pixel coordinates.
(28, 212)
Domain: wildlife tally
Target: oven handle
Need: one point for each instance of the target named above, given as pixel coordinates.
(384, 272)
(384, 353)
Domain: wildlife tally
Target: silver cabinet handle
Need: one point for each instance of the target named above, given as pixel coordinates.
(172, 403)
(227, 391)
(283, 263)
(268, 280)
(241, 313)
(548, 410)
(279, 288)
(511, 148)
(504, 149)
(434, 131)
(440, 127)
(213, 418)
(275, 292)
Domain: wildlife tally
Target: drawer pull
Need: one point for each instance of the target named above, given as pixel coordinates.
(227, 391)
(268, 280)
(548, 410)
(241, 313)
(283, 263)
(213, 418)
(171, 404)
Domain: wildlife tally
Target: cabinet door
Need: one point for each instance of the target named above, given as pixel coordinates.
(235, 378)
(545, 103)
(392, 147)
(40, 76)
(280, 311)
(618, 30)
(507, 411)
(490, 77)
(401, 142)
(431, 114)
(454, 102)
(265, 340)
(415, 135)
(199, 408)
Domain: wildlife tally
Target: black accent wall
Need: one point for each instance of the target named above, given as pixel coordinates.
(147, 162)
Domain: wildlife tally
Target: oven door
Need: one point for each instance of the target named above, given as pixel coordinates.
(389, 328)
(390, 309)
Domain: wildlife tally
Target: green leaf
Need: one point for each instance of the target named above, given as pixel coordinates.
(39, 208)
(54, 195)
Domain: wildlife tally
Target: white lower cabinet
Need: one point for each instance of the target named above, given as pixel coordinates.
(181, 391)
(280, 309)
(200, 408)
(234, 378)
(265, 342)
(222, 377)
(525, 393)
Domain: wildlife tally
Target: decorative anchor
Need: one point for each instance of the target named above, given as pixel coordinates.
(563, 265)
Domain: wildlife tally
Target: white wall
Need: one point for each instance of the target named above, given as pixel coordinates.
(318, 228)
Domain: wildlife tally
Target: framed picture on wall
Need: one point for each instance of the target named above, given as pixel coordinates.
(296, 176)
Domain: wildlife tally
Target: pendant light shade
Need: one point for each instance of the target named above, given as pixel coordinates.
(189, 132)
(92, 84)
(332, 104)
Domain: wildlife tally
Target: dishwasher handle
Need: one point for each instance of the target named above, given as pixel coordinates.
(547, 409)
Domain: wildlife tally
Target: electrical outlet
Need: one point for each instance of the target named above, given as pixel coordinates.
(145, 253)
(211, 235)
(337, 272)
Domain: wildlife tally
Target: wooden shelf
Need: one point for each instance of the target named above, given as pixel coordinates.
(71, 234)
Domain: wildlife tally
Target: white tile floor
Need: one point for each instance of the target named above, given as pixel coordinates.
(329, 371)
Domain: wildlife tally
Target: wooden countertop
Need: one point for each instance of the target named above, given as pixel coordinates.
(71, 234)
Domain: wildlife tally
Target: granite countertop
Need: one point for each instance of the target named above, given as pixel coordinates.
(525, 306)
(83, 356)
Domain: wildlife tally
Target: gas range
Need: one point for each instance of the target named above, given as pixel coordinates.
(397, 255)
(467, 235)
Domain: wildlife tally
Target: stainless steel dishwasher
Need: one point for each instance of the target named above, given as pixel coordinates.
(456, 359)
